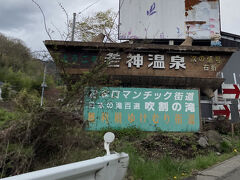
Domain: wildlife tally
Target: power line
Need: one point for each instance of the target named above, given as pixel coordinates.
(88, 7)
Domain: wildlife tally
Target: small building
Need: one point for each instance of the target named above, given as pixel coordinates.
(232, 67)
(148, 66)
(155, 58)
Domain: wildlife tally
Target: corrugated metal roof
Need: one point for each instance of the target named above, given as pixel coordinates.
(230, 40)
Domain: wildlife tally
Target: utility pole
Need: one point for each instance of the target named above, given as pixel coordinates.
(43, 85)
(73, 28)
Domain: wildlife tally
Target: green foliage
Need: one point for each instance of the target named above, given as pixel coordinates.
(28, 102)
(19, 68)
(131, 133)
(101, 22)
(14, 54)
(194, 148)
(6, 88)
(159, 130)
(78, 87)
(226, 146)
(36, 135)
(202, 162)
(18, 80)
(6, 116)
(165, 168)
(15, 153)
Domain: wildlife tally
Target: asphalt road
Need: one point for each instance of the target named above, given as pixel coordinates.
(235, 175)
(227, 170)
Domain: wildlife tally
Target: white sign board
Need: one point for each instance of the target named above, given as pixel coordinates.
(168, 19)
(221, 110)
(230, 91)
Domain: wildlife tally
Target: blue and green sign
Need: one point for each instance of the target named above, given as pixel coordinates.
(147, 109)
(83, 60)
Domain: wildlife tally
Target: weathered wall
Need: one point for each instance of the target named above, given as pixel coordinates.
(146, 64)
(168, 19)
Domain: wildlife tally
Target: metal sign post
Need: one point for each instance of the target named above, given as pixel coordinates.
(43, 85)
(232, 92)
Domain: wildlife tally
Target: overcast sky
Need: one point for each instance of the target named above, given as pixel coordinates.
(23, 20)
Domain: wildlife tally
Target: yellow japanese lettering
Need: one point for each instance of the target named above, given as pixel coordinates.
(118, 117)
(218, 59)
(155, 118)
(105, 117)
(131, 117)
(210, 59)
(143, 117)
(193, 59)
(201, 58)
(178, 118)
(166, 118)
(91, 116)
(191, 119)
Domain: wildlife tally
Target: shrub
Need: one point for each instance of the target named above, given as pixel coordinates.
(130, 133)
(6, 90)
(226, 146)
(15, 153)
(28, 101)
(6, 116)
(37, 137)
(19, 80)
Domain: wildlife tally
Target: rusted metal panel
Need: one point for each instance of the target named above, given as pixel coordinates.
(164, 19)
(202, 18)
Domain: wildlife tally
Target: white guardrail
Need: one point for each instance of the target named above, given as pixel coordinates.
(109, 167)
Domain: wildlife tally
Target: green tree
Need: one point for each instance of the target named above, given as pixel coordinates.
(14, 54)
(101, 22)
(18, 66)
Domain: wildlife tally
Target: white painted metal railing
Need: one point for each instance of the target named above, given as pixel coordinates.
(109, 167)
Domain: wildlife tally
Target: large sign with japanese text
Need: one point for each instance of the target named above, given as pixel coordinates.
(147, 109)
(150, 64)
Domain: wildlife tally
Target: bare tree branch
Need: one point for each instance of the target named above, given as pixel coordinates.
(59, 32)
(44, 19)
(64, 10)
(108, 34)
(108, 37)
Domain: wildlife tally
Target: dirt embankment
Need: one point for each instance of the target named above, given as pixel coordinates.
(174, 145)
